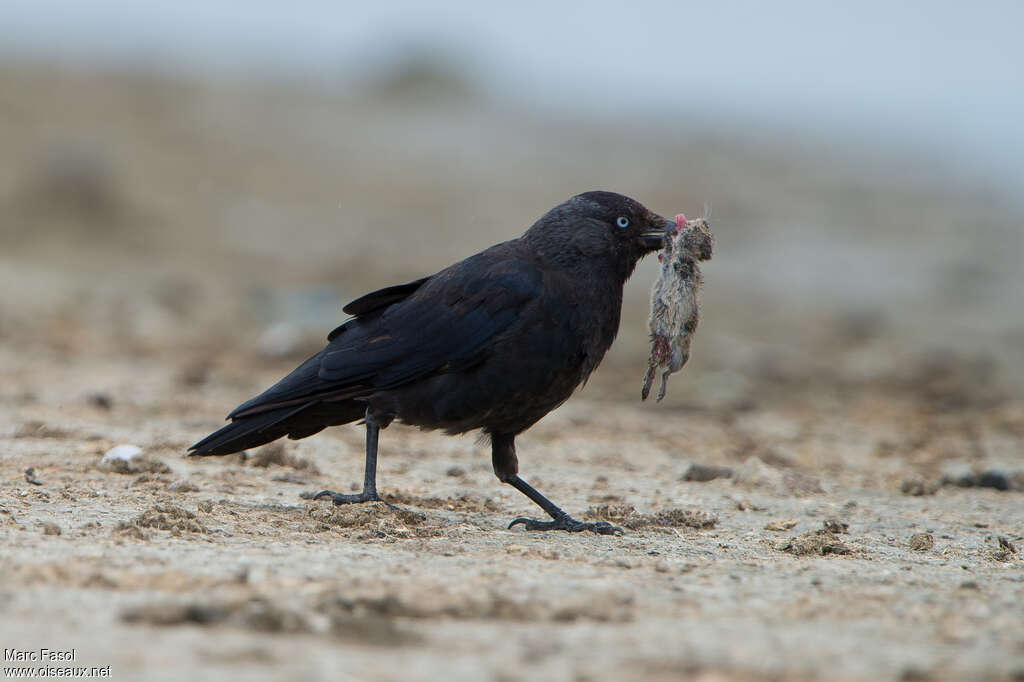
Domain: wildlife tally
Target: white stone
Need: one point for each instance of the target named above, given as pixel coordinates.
(122, 452)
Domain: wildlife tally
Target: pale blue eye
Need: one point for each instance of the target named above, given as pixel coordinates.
(622, 222)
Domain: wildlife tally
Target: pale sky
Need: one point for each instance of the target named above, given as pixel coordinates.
(948, 76)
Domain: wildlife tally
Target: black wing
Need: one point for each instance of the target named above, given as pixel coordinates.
(382, 298)
(444, 323)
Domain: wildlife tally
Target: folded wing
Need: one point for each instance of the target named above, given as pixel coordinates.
(444, 323)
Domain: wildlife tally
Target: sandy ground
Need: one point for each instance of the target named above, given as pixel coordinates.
(152, 280)
(205, 568)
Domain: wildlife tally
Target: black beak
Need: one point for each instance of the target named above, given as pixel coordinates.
(653, 239)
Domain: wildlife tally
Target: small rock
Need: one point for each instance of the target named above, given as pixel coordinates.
(993, 479)
(701, 473)
(835, 526)
(921, 542)
(205, 506)
(986, 479)
(455, 472)
(100, 399)
(30, 476)
(50, 528)
(125, 453)
(781, 524)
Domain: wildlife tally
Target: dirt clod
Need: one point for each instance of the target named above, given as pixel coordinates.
(819, 542)
(165, 517)
(921, 542)
(702, 473)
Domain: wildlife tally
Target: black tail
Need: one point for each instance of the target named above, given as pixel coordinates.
(292, 421)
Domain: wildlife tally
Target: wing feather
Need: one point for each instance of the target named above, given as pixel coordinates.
(443, 323)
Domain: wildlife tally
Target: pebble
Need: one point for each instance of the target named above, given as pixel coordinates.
(125, 453)
(701, 473)
(921, 542)
(986, 479)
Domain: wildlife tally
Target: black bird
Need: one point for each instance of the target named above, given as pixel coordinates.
(494, 342)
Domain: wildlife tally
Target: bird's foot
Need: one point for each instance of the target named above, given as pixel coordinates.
(339, 499)
(566, 522)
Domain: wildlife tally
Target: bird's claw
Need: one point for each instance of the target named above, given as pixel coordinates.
(340, 499)
(566, 522)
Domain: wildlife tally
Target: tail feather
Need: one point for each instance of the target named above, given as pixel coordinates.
(248, 432)
(292, 421)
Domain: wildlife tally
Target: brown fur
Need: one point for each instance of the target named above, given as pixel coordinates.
(675, 304)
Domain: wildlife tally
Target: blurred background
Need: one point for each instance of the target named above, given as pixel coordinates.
(205, 184)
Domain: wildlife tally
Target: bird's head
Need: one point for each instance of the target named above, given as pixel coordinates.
(600, 228)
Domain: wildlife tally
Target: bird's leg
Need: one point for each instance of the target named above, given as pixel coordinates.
(506, 468)
(369, 494)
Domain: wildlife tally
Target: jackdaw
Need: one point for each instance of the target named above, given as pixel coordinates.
(494, 342)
